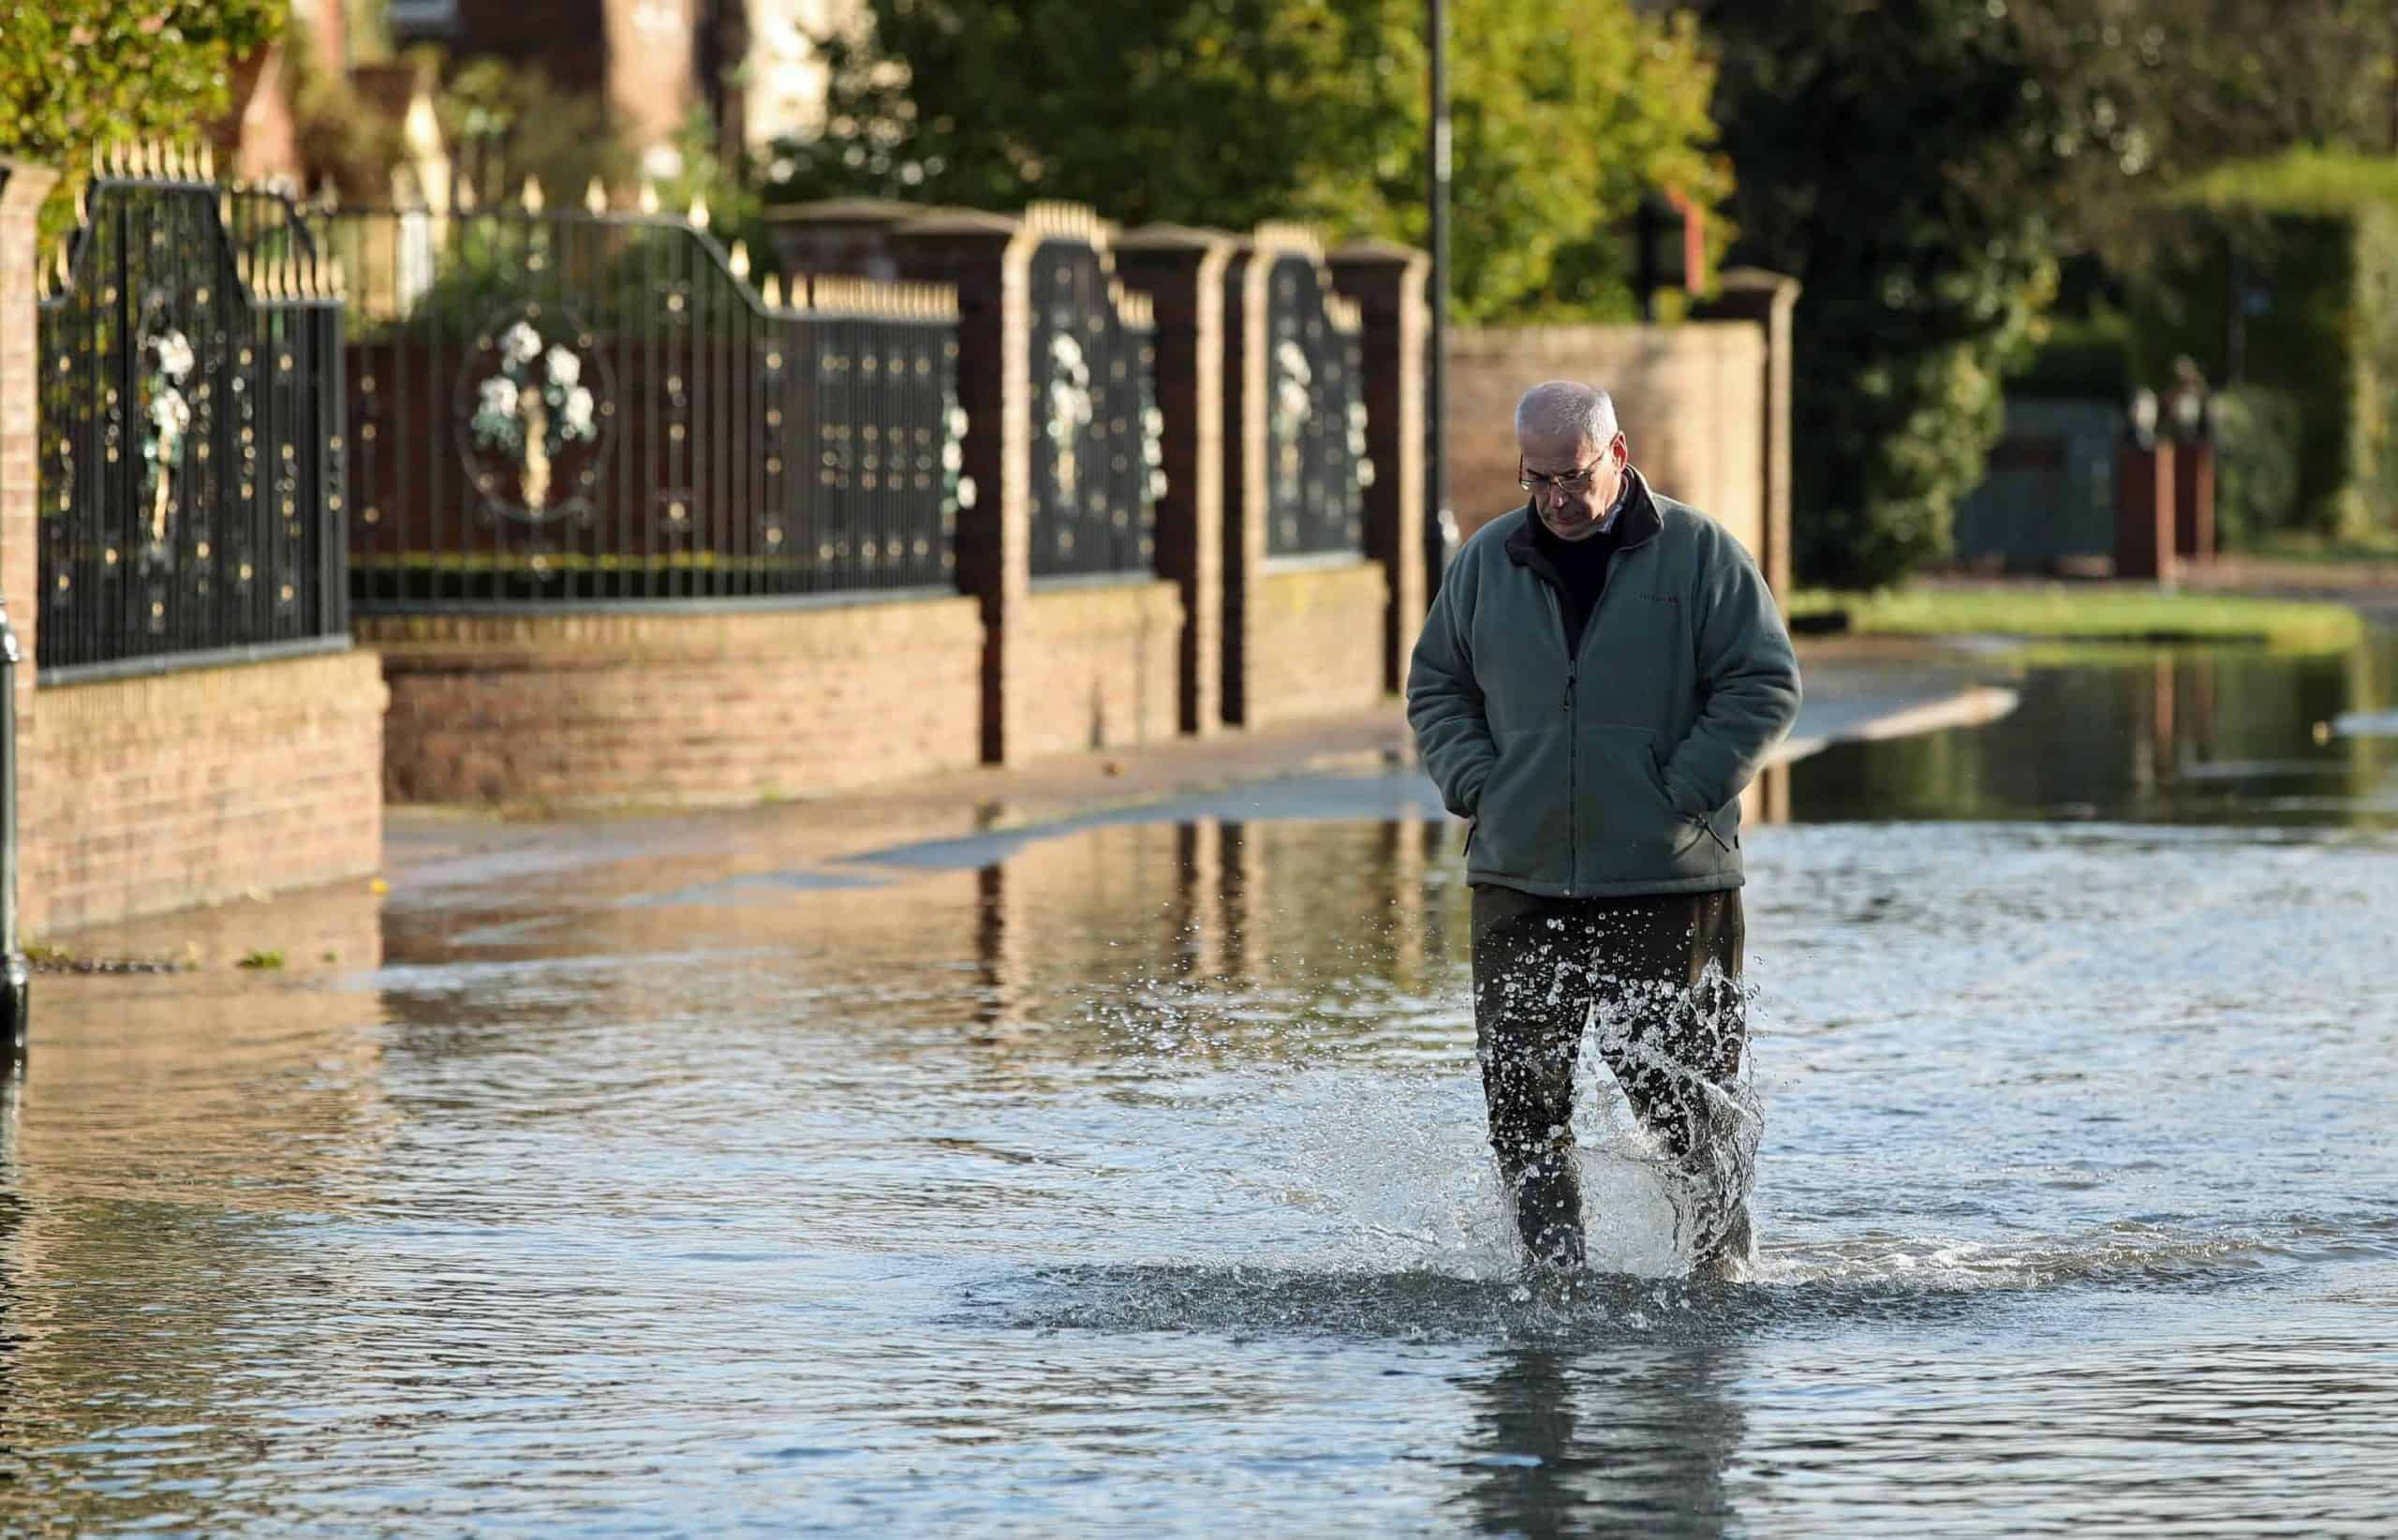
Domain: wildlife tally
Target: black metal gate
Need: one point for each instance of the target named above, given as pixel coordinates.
(190, 434)
(569, 406)
(1098, 454)
(1317, 470)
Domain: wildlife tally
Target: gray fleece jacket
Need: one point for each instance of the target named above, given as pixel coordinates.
(1616, 770)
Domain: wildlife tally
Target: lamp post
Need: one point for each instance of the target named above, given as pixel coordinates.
(1438, 521)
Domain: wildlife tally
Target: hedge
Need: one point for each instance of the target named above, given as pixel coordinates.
(2315, 235)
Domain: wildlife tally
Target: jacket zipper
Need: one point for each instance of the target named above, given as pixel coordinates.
(1573, 672)
(1572, 770)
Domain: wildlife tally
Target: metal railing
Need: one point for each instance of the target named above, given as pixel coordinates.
(1097, 436)
(1317, 469)
(590, 407)
(190, 431)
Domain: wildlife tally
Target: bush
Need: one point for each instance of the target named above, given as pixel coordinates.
(2258, 432)
(76, 75)
(2080, 357)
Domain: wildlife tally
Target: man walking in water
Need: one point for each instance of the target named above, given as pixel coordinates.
(1602, 674)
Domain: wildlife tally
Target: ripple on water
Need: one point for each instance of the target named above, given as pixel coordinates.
(1090, 1194)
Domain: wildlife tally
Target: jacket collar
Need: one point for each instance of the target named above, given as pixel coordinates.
(1639, 516)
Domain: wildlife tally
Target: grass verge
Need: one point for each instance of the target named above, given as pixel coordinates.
(2082, 613)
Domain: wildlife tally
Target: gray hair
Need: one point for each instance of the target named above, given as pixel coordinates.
(1561, 408)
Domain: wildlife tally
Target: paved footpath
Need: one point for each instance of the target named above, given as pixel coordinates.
(440, 862)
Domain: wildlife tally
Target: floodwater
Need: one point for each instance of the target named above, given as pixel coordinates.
(1135, 1183)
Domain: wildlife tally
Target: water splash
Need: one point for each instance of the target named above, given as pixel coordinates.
(1648, 1210)
(1395, 1170)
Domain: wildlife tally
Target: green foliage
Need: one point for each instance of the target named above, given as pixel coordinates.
(1893, 159)
(2258, 431)
(262, 959)
(505, 123)
(2146, 93)
(2304, 179)
(2088, 613)
(702, 174)
(2083, 356)
(496, 263)
(340, 139)
(1228, 113)
(79, 74)
(2316, 237)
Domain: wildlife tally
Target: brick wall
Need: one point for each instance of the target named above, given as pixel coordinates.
(1690, 399)
(1102, 662)
(1319, 641)
(681, 708)
(164, 791)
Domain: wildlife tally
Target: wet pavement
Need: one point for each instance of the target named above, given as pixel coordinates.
(1105, 1156)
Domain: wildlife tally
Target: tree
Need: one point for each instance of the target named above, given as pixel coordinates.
(1894, 158)
(76, 74)
(1227, 113)
(2146, 93)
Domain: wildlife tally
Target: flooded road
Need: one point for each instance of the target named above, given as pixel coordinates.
(1134, 1181)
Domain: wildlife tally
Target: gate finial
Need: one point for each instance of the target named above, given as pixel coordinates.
(531, 196)
(595, 198)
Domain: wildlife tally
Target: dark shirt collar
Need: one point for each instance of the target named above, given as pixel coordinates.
(1636, 512)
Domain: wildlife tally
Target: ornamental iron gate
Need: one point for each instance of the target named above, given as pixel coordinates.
(1098, 436)
(1316, 467)
(190, 432)
(554, 407)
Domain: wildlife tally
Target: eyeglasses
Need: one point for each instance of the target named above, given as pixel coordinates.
(1569, 483)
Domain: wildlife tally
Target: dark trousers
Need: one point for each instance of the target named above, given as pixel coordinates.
(1669, 1025)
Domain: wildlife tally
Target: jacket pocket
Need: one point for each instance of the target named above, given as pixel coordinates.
(1630, 827)
(1522, 819)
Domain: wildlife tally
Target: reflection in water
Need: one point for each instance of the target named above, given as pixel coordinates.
(1633, 1439)
(13, 1272)
(2199, 735)
(1138, 1181)
(165, 1132)
(1234, 932)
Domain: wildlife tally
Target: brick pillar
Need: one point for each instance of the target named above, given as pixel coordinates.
(2194, 499)
(2144, 511)
(988, 259)
(1388, 282)
(1243, 429)
(23, 186)
(1748, 293)
(1247, 350)
(1183, 271)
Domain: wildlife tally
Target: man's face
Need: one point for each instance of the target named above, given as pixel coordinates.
(1570, 507)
